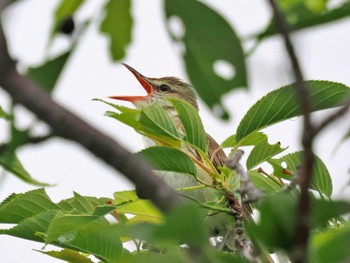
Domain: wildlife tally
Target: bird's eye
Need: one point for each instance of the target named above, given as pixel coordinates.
(164, 88)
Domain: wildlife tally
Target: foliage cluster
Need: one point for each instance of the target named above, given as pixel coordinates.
(129, 229)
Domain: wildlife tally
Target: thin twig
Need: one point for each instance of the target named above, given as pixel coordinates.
(303, 94)
(333, 117)
(249, 192)
(241, 243)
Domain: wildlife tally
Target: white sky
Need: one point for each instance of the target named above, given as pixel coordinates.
(323, 51)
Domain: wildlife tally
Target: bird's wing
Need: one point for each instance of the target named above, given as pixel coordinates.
(216, 154)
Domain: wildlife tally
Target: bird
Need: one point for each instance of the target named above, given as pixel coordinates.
(160, 90)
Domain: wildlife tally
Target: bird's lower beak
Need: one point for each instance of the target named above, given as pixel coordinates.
(142, 80)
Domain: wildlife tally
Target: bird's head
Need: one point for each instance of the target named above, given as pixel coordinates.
(160, 90)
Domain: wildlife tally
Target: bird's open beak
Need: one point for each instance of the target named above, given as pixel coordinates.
(142, 80)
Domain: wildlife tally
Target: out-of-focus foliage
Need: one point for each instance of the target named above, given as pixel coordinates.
(208, 41)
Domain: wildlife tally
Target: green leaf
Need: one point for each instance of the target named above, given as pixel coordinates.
(148, 256)
(21, 206)
(68, 255)
(3, 114)
(263, 182)
(183, 225)
(10, 162)
(157, 122)
(46, 75)
(89, 234)
(209, 40)
(65, 9)
(128, 203)
(192, 123)
(278, 218)
(250, 140)
(277, 222)
(331, 245)
(128, 116)
(301, 16)
(169, 159)
(29, 227)
(282, 104)
(81, 204)
(64, 224)
(117, 26)
(334, 209)
(321, 179)
(262, 152)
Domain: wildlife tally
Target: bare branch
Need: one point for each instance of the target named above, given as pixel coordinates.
(249, 192)
(67, 125)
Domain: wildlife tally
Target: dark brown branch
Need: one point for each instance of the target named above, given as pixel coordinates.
(302, 92)
(67, 125)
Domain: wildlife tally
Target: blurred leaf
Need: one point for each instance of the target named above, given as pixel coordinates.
(169, 159)
(3, 114)
(262, 152)
(89, 234)
(183, 225)
(331, 209)
(278, 217)
(148, 256)
(321, 179)
(81, 204)
(264, 183)
(117, 26)
(33, 213)
(277, 221)
(18, 137)
(125, 197)
(209, 41)
(331, 245)
(64, 224)
(66, 8)
(192, 123)
(313, 5)
(46, 75)
(128, 203)
(282, 104)
(68, 255)
(10, 162)
(18, 207)
(29, 227)
(304, 15)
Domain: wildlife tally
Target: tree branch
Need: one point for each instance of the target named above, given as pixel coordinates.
(67, 125)
(303, 94)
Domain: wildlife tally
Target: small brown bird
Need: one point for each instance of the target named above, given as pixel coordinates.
(160, 90)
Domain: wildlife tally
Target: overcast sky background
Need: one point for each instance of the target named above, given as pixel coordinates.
(324, 53)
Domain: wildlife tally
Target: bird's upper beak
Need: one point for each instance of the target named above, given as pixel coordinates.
(142, 80)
